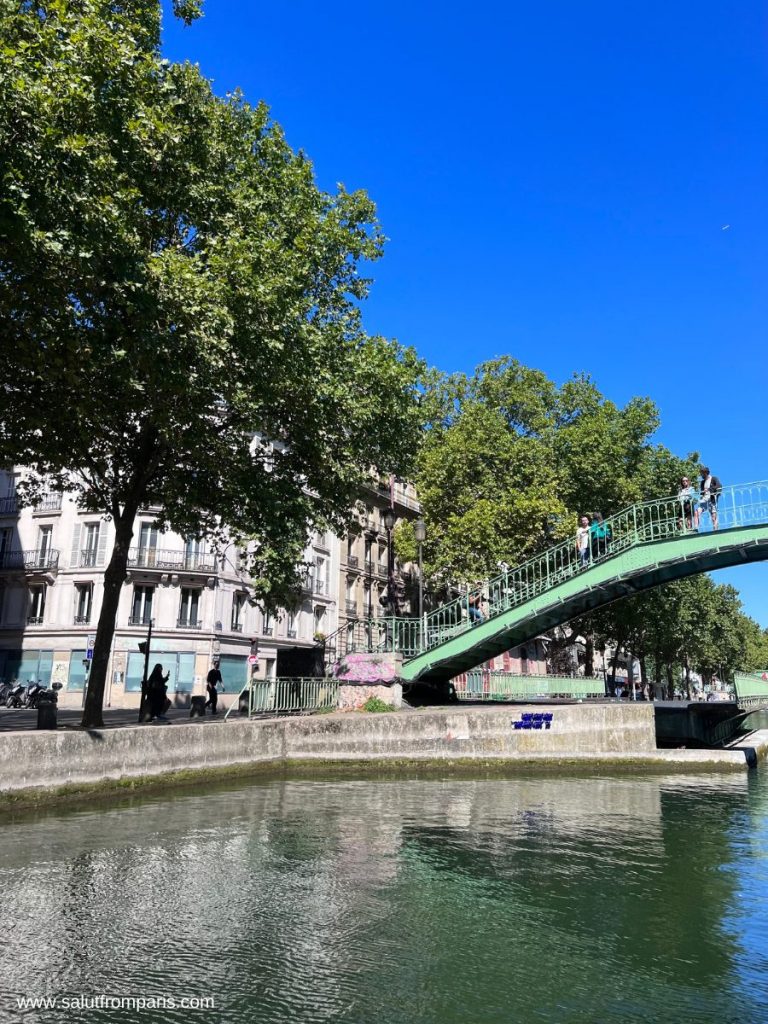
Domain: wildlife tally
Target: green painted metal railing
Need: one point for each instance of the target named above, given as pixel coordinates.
(501, 686)
(642, 523)
(751, 689)
(286, 696)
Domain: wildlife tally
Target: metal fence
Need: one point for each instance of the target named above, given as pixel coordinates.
(286, 696)
(502, 686)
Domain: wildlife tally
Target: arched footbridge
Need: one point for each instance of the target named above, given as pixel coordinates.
(649, 543)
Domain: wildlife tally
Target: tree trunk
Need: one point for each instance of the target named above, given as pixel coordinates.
(114, 577)
(657, 690)
(589, 657)
(670, 683)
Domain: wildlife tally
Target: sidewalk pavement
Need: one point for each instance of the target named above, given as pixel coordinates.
(21, 719)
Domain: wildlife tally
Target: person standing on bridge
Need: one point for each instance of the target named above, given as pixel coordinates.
(474, 606)
(688, 504)
(582, 542)
(710, 492)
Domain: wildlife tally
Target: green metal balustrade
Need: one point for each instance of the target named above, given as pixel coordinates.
(648, 544)
(503, 686)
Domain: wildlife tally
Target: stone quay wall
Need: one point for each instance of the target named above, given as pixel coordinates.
(612, 733)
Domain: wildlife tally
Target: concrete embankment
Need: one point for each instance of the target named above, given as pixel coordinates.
(605, 734)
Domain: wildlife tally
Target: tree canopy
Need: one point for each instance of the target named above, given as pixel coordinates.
(172, 284)
(510, 459)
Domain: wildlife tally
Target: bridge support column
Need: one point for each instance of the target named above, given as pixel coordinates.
(364, 675)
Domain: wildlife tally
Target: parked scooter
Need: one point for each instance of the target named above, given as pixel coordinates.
(33, 694)
(16, 697)
(5, 689)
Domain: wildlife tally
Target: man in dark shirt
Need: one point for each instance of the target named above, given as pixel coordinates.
(213, 680)
(710, 491)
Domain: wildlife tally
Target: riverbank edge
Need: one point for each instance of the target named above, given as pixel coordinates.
(109, 789)
(348, 744)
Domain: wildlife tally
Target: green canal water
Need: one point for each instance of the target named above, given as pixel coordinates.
(456, 900)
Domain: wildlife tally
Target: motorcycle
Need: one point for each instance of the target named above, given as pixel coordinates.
(5, 689)
(15, 698)
(33, 694)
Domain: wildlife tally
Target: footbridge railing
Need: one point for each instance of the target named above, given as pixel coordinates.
(285, 695)
(501, 686)
(659, 519)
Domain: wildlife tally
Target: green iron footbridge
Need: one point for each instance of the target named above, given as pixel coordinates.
(649, 543)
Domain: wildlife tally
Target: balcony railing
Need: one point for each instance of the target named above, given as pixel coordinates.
(30, 561)
(82, 620)
(266, 630)
(236, 627)
(140, 620)
(50, 502)
(185, 623)
(8, 506)
(291, 634)
(173, 561)
(353, 561)
(319, 586)
(34, 620)
(88, 558)
(351, 607)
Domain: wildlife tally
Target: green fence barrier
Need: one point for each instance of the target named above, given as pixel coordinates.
(507, 686)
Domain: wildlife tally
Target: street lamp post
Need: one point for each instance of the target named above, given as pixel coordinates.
(388, 518)
(420, 533)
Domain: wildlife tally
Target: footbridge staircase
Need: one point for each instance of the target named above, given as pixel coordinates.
(648, 544)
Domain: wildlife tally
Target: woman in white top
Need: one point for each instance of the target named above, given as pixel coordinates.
(689, 504)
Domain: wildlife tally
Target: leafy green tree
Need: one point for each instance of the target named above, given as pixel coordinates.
(173, 283)
(510, 460)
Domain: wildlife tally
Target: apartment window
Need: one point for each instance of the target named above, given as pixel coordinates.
(36, 605)
(147, 544)
(90, 550)
(291, 626)
(238, 611)
(319, 619)
(268, 624)
(83, 603)
(321, 578)
(141, 609)
(189, 608)
(44, 543)
(193, 553)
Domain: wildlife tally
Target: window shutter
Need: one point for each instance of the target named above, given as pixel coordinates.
(75, 559)
(102, 544)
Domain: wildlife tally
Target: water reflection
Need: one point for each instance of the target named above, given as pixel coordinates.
(534, 898)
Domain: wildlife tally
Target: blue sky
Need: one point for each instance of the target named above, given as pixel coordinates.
(579, 185)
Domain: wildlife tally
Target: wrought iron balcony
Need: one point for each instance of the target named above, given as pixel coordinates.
(88, 558)
(236, 627)
(353, 561)
(140, 620)
(319, 586)
(50, 502)
(82, 620)
(8, 506)
(34, 620)
(291, 634)
(185, 623)
(30, 561)
(170, 561)
(266, 631)
(351, 607)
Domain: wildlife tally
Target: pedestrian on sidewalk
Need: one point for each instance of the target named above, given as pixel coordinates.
(213, 680)
(157, 691)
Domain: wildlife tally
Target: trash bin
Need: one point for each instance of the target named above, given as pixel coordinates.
(47, 710)
(197, 707)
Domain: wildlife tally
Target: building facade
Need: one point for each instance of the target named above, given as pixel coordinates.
(52, 561)
(364, 555)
